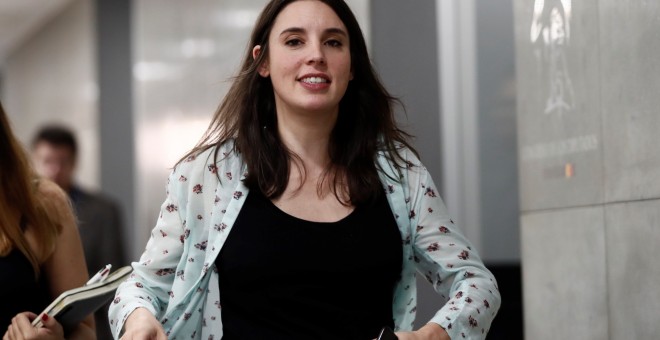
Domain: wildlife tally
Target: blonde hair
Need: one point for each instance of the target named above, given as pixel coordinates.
(21, 203)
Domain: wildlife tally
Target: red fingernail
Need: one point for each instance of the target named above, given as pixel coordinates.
(44, 317)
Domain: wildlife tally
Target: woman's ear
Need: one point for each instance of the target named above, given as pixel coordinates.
(263, 68)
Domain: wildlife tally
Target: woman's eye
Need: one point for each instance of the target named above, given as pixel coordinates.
(293, 42)
(334, 43)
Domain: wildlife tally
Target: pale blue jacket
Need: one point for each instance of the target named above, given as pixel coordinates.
(177, 281)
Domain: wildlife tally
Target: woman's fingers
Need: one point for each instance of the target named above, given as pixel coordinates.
(52, 326)
(21, 327)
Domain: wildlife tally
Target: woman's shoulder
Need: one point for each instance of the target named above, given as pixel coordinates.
(55, 203)
(213, 159)
(52, 194)
(400, 155)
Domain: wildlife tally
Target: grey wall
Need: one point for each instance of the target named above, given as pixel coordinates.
(588, 122)
(115, 79)
(498, 163)
(404, 51)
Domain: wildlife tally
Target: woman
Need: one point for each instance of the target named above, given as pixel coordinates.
(40, 250)
(303, 212)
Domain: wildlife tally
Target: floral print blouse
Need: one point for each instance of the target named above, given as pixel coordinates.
(177, 281)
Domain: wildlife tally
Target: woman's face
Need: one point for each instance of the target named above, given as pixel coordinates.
(309, 59)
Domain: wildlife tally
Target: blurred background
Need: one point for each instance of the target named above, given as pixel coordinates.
(139, 80)
(538, 121)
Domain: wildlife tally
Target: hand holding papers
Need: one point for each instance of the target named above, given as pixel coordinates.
(74, 305)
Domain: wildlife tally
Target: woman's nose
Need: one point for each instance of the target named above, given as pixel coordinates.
(316, 54)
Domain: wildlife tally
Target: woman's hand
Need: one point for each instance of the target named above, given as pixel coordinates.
(430, 331)
(141, 324)
(21, 328)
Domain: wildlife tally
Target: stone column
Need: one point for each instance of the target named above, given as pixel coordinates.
(588, 130)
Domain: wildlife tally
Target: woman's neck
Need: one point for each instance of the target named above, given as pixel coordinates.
(311, 174)
(308, 138)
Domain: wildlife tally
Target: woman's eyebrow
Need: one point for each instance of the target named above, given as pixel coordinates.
(336, 30)
(332, 30)
(292, 30)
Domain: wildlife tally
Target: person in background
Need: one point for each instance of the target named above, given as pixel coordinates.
(40, 251)
(55, 153)
(304, 212)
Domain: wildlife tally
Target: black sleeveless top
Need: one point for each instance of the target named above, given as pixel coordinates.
(20, 291)
(285, 278)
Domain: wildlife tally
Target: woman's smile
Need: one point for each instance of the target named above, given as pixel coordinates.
(315, 82)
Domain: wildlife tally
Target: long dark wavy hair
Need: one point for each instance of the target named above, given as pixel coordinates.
(365, 123)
